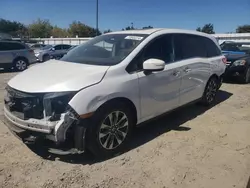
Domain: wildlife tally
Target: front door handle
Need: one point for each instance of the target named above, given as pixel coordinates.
(187, 70)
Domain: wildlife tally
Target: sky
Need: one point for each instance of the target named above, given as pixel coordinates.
(226, 15)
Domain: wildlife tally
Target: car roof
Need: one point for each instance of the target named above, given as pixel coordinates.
(165, 30)
(150, 31)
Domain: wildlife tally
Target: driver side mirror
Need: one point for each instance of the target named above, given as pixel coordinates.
(152, 65)
(52, 49)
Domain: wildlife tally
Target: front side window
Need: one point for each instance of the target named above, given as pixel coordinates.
(108, 49)
(189, 46)
(161, 48)
(58, 47)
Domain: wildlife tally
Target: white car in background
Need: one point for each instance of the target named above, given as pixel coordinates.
(94, 96)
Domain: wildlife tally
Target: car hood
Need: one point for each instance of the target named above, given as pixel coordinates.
(39, 50)
(57, 76)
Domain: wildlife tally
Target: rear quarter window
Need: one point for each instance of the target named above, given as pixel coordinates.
(212, 49)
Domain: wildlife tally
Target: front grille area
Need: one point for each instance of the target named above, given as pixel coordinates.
(23, 105)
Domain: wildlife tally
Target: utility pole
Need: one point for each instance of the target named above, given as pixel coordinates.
(97, 15)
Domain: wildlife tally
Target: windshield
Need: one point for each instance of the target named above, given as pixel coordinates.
(105, 49)
(244, 47)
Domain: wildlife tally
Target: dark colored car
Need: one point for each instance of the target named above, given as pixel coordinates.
(238, 60)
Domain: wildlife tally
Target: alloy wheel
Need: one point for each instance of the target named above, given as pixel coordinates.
(21, 65)
(211, 90)
(113, 130)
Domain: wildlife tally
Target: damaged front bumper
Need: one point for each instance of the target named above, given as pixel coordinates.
(62, 134)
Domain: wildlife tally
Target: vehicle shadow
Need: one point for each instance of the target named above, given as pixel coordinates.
(146, 131)
(7, 71)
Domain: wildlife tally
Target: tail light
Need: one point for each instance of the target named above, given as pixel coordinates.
(224, 60)
(31, 51)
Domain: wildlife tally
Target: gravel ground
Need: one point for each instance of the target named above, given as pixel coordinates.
(192, 147)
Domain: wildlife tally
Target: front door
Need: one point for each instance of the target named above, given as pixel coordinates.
(159, 91)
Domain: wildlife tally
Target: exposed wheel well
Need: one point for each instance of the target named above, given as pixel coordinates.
(214, 76)
(125, 101)
(21, 58)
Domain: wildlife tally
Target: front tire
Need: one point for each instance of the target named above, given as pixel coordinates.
(246, 77)
(110, 130)
(210, 92)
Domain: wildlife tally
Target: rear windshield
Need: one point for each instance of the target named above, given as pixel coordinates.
(108, 49)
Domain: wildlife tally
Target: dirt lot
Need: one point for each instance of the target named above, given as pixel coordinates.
(193, 147)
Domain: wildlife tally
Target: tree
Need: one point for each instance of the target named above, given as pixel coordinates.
(243, 29)
(198, 29)
(40, 29)
(16, 29)
(107, 31)
(207, 28)
(81, 30)
(147, 27)
(58, 32)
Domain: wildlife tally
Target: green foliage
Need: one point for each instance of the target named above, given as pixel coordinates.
(58, 32)
(243, 29)
(40, 28)
(15, 29)
(81, 30)
(107, 31)
(147, 27)
(207, 28)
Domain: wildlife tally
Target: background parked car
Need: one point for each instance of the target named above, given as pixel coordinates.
(51, 52)
(238, 60)
(15, 54)
(37, 46)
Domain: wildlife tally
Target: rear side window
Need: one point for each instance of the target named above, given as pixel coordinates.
(66, 47)
(189, 46)
(5, 46)
(212, 49)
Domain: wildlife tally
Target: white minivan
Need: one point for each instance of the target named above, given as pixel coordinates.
(93, 97)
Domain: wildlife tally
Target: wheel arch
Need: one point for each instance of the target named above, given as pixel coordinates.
(125, 101)
(21, 58)
(92, 104)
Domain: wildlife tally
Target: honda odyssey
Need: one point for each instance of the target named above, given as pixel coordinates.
(93, 97)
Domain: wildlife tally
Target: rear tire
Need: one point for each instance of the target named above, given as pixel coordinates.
(20, 64)
(210, 92)
(246, 77)
(110, 130)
